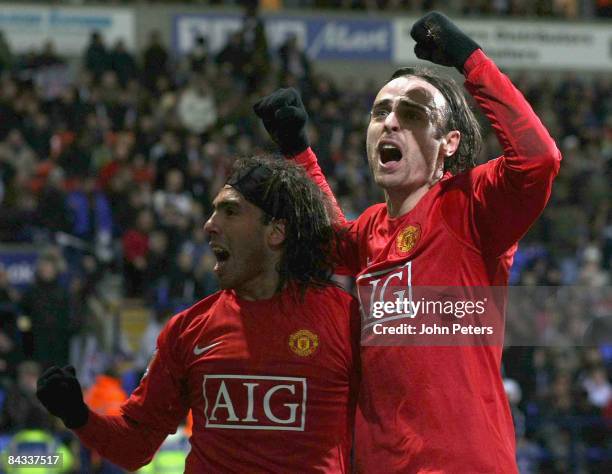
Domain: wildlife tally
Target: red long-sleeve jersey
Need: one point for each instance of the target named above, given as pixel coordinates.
(443, 409)
(271, 385)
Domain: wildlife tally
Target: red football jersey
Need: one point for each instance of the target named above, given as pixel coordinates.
(271, 384)
(443, 409)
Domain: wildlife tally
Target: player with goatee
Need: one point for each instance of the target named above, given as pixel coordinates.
(268, 365)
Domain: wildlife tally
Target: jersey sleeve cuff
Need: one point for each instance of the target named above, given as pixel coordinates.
(476, 58)
(89, 431)
(305, 158)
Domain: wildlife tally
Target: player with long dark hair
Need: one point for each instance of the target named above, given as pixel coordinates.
(309, 237)
(268, 365)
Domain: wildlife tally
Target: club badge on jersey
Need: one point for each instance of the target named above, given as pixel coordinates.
(304, 343)
(407, 239)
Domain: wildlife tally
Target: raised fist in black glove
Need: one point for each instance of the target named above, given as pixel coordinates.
(60, 392)
(284, 116)
(440, 41)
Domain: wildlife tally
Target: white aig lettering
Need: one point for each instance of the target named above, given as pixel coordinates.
(255, 402)
(385, 286)
(226, 403)
(292, 406)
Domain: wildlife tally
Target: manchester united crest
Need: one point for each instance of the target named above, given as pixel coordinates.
(303, 342)
(408, 238)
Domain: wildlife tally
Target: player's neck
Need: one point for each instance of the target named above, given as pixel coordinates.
(401, 201)
(263, 287)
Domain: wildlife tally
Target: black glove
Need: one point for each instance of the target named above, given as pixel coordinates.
(60, 392)
(440, 41)
(284, 116)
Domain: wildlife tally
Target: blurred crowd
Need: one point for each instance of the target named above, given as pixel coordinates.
(517, 8)
(110, 171)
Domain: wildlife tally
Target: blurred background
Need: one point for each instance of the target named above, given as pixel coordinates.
(120, 120)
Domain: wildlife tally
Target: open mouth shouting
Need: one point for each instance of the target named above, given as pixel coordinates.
(221, 254)
(389, 153)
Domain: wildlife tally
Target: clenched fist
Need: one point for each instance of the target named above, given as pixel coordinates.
(60, 392)
(440, 41)
(284, 116)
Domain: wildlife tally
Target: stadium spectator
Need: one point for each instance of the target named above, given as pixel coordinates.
(21, 408)
(105, 396)
(233, 56)
(196, 106)
(37, 132)
(53, 211)
(155, 61)
(255, 44)
(48, 56)
(199, 56)
(204, 272)
(173, 198)
(123, 63)
(167, 154)
(91, 210)
(15, 151)
(591, 273)
(96, 57)
(159, 259)
(294, 62)
(148, 341)
(45, 304)
(135, 253)
(70, 114)
(183, 283)
(598, 387)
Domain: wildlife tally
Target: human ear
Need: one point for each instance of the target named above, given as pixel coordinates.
(276, 235)
(450, 143)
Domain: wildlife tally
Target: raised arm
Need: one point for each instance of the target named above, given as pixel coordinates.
(509, 193)
(284, 117)
(131, 439)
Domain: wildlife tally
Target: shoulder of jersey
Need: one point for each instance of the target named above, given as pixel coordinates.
(332, 294)
(372, 210)
(466, 179)
(368, 217)
(187, 316)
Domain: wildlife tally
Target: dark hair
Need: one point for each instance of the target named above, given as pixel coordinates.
(459, 116)
(309, 236)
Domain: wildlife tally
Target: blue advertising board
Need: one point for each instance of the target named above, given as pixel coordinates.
(354, 39)
(322, 39)
(19, 263)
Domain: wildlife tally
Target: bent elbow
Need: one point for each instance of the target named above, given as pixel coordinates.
(545, 165)
(552, 159)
